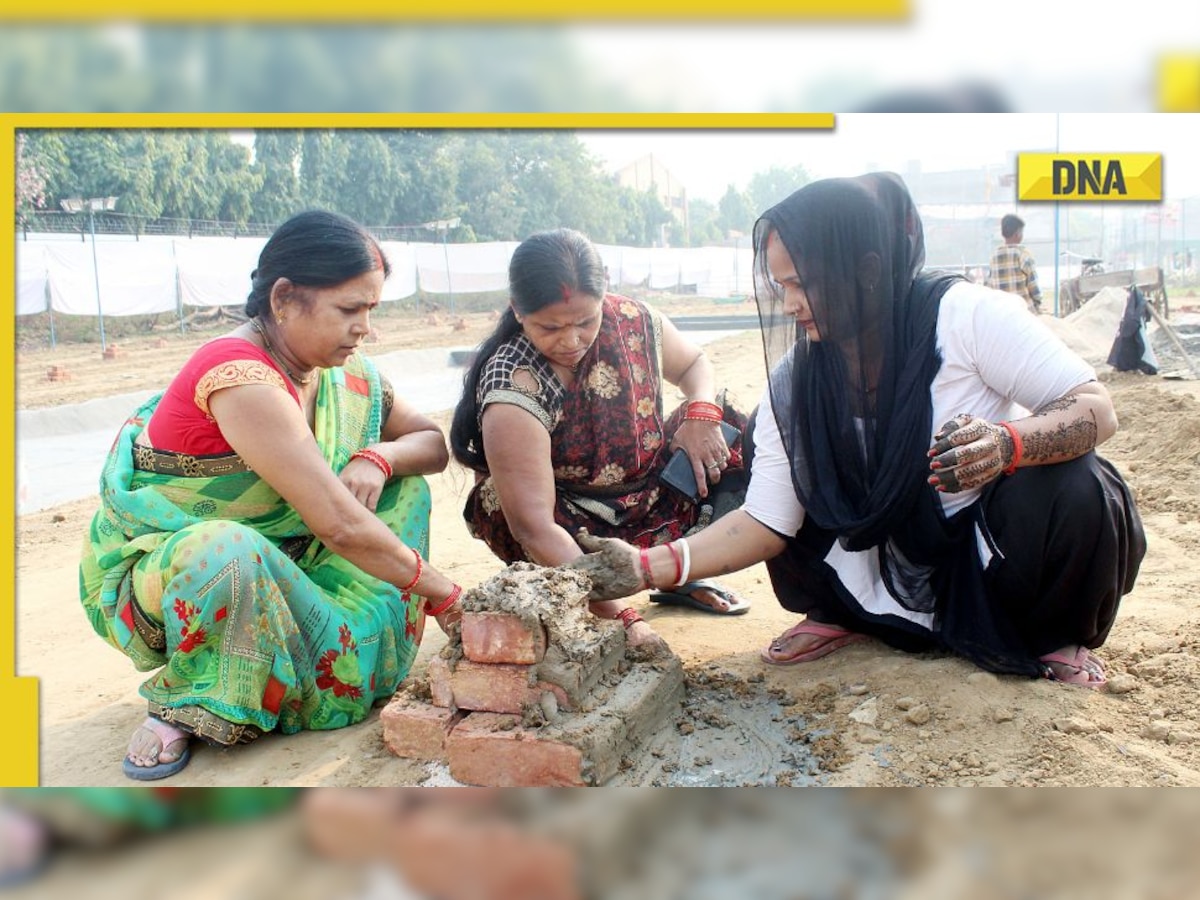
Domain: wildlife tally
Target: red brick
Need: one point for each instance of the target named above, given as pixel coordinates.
(578, 674)
(500, 688)
(440, 691)
(496, 637)
(416, 730)
(493, 750)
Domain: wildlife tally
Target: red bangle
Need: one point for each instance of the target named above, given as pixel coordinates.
(412, 584)
(702, 411)
(644, 556)
(675, 555)
(628, 616)
(371, 456)
(455, 593)
(1018, 447)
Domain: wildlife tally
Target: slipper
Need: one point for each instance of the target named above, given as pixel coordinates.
(1089, 668)
(835, 639)
(682, 596)
(162, 769)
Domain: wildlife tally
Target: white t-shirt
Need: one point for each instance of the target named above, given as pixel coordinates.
(998, 363)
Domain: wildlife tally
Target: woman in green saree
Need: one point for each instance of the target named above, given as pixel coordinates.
(263, 521)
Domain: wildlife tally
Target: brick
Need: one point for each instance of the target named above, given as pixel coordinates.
(492, 750)
(626, 717)
(496, 637)
(500, 688)
(415, 730)
(112, 351)
(578, 674)
(440, 691)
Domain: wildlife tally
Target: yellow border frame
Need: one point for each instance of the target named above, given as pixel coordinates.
(463, 11)
(19, 696)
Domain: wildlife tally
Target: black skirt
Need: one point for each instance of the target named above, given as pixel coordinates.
(1041, 561)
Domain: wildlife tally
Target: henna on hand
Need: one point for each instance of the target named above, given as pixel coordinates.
(1062, 442)
(968, 452)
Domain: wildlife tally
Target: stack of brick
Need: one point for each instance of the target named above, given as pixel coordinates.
(533, 691)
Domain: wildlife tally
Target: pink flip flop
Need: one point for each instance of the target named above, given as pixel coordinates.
(835, 639)
(1089, 668)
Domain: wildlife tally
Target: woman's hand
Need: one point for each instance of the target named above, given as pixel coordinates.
(611, 564)
(706, 449)
(450, 619)
(968, 453)
(365, 480)
(644, 639)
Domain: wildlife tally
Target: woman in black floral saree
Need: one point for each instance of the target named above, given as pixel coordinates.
(562, 419)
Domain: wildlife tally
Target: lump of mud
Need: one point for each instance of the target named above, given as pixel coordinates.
(554, 597)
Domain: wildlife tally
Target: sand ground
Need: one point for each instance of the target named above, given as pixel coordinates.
(867, 715)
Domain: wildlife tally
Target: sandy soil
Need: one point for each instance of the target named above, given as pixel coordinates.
(867, 715)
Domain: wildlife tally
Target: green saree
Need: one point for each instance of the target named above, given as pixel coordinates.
(196, 567)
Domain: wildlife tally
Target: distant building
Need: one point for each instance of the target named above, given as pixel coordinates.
(648, 173)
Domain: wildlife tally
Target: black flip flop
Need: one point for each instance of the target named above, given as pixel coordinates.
(682, 596)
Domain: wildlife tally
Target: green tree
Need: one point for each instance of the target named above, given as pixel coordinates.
(36, 160)
(231, 177)
(654, 217)
(487, 197)
(703, 229)
(370, 187)
(735, 215)
(426, 164)
(578, 194)
(323, 158)
(775, 184)
(276, 154)
(97, 166)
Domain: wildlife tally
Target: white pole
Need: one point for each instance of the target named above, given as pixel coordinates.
(96, 272)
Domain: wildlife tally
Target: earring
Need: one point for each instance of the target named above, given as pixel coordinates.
(279, 317)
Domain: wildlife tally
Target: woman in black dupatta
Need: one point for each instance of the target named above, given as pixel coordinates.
(923, 458)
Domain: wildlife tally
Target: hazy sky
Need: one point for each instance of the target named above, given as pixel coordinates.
(707, 162)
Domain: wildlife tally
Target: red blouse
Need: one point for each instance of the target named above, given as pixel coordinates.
(181, 422)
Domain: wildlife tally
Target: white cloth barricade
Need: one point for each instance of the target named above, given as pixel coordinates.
(159, 274)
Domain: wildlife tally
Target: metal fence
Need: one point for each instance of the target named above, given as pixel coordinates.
(117, 223)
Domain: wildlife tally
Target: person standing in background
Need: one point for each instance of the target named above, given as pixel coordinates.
(1013, 269)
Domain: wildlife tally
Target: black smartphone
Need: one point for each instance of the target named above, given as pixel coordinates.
(678, 474)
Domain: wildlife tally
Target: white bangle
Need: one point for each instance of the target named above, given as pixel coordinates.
(686, 568)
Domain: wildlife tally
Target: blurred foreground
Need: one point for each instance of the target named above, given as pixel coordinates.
(472, 844)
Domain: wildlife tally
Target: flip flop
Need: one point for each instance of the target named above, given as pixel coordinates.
(162, 769)
(1089, 668)
(835, 639)
(682, 596)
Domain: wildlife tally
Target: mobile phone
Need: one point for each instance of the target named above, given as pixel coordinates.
(678, 474)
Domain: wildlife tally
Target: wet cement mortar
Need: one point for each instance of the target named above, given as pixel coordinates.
(729, 731)
(735, 731)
